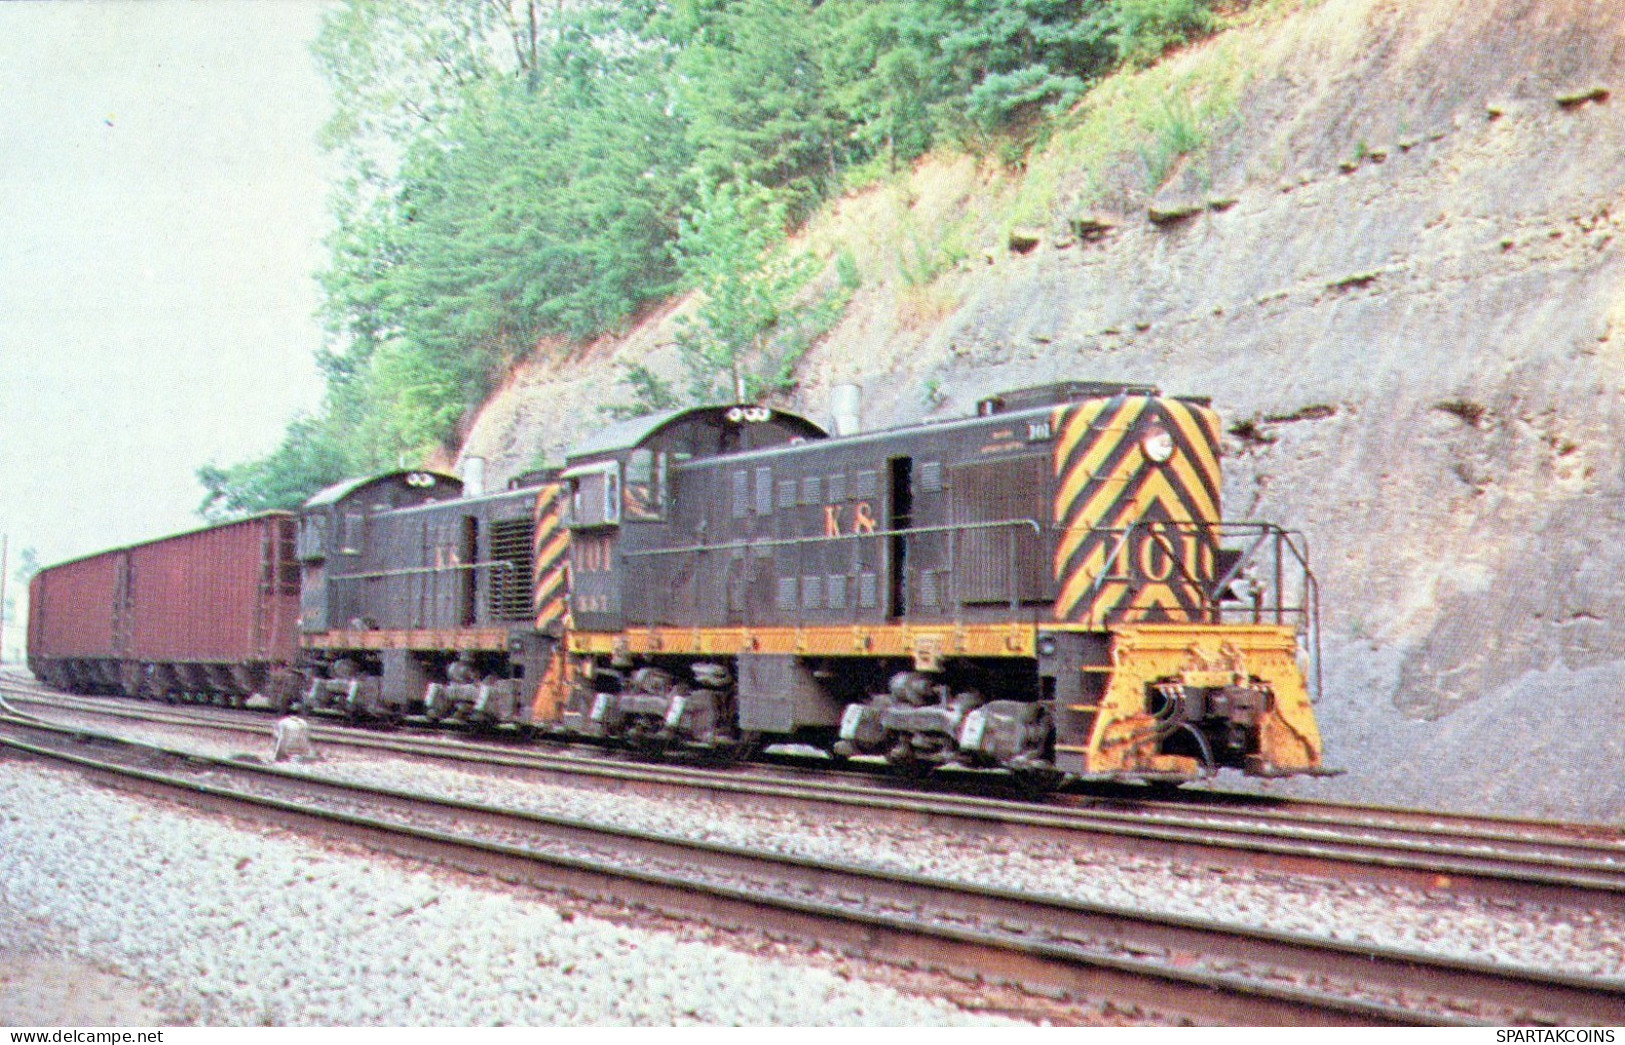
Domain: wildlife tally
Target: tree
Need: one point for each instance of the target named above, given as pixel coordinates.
(1140, 31)
(517, 171)
(310, 458)
(727, 250)
(28, 564)
(753, 90)
(542, 206)
(1011, 56)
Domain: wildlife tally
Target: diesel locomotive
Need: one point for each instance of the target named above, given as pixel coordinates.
(1047, 587)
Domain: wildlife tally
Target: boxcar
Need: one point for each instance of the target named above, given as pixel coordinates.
(209, 612)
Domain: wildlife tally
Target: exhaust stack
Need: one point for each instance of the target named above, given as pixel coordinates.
(846, 408)
(473, 476)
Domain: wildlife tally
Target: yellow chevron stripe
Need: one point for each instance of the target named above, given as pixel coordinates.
(1078, 582)
(1155, 490)
(1109, 597)
(1156, 596)
(546, 585)
(1210, 421)
(1082, 417)
(1111, 489)
(553, 611)
(1202, 438)
(1071, 538)
(555, 549)
(547, 525)
(1107, 440)
(1206, 510)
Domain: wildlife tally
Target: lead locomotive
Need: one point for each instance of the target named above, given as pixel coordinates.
(1046, 587)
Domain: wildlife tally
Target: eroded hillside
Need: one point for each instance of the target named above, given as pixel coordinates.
(1392, 261)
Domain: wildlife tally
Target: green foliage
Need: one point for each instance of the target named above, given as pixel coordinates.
(1010, 56)
(1141, 31)
(28, 564)
(887, 76)
(753, 92)
(312, 456)
(541, 206)
(518, 172)
(735, 346)
(847, 272)
(1176, 131)
(401, 68)
(651, 394)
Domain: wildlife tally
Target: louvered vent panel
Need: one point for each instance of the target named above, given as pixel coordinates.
(764, 491)
(930, 589)
(868, 591)
(510, 584)
(996, 562)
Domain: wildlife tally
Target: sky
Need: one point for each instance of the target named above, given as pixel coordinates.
(162, 205)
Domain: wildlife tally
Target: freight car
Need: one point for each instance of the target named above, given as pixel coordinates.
(210, 613)
(1047, 587)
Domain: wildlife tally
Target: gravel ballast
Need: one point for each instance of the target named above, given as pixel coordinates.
(1588, 943)
(234, 927)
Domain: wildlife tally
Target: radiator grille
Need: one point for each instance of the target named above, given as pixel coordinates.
(1000, 563)
(510, 584)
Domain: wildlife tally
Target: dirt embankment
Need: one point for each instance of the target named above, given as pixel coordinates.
(1394, 263)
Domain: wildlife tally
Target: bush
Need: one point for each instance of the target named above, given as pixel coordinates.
(1141, 31)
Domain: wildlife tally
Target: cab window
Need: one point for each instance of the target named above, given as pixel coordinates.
(644, 494)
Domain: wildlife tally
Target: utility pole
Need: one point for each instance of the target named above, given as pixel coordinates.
(5, 538)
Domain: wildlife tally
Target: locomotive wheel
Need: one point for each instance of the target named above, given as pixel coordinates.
(1036, 783)
(747, 747)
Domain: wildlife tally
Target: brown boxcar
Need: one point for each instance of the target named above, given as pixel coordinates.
(212, 611)
(71, 620)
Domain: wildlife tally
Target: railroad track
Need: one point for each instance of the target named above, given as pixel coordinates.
(1208, 971)
(1575, 866)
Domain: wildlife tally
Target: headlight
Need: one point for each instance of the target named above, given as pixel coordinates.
(1158, 445)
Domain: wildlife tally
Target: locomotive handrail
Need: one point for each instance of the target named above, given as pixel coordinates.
(1306, 610)
(777, 542)
(416, 570)
(825, 538)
